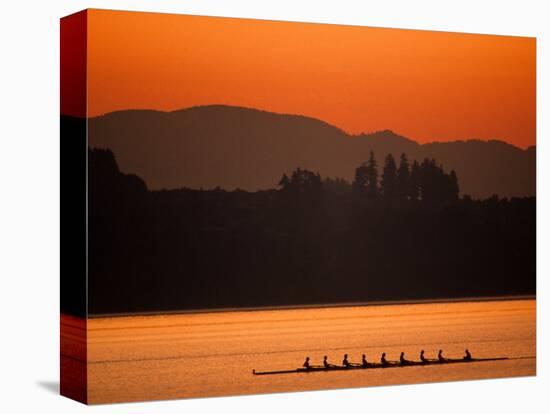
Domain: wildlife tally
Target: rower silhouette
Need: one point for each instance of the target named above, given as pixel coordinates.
(345, 362)
(402, 359)
(468, 356)
(364, 362)
(383, 359)
(422, 357)
(306, 364)
(440, 356)
(325, 362)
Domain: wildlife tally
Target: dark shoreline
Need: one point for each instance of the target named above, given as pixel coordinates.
(318, 306)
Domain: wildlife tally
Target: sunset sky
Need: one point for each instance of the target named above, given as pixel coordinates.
(428, 86)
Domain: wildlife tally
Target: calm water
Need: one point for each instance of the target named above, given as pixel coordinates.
(195, 355)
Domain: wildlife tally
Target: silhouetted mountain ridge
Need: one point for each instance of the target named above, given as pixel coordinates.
(235, 147)
(387, 135)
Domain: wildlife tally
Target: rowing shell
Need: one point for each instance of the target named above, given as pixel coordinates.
(375, 366)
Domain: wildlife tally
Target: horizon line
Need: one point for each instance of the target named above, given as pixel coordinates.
(461, 299)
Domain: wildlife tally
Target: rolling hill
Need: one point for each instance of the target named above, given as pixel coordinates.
(234, 147)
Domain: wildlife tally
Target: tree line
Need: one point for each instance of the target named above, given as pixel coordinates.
(426, 181)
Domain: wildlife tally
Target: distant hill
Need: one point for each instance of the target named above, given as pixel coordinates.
(233, 147)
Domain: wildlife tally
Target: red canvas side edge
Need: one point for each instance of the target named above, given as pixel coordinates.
(73, 148)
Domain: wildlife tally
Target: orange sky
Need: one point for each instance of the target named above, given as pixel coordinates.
(428, 86)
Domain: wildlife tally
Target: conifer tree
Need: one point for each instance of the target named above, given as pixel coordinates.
(388, 183)
(372, 178)
(414, 182)
(403, 178)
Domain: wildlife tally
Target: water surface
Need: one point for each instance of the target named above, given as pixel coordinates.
(212, 354)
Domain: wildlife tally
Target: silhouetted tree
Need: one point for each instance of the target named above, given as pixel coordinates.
(284, 182)
(435, 185)
(428, 180)
(336, 186)
(372, 178)
(403, 179)
(304, 187)
(365, 182)
(388, 183)
(454, 188)
(360, 181)
(304, 181)
(414, 182)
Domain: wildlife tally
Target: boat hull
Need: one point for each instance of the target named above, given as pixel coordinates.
(375, 366)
